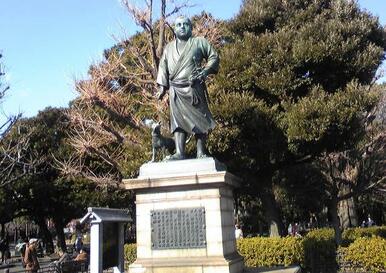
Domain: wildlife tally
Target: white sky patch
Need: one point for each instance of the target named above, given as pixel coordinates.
(381, 73)
(8, 77)
(23, 93)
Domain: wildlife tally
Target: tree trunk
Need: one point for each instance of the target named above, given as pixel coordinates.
(46, 234)
(272, 213)
(348, 213)
(333, 209)
(2, 235)
(60, 233)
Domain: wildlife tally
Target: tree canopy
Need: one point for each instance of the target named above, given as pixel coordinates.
(293, 86)
(293, 101)
(45, 193)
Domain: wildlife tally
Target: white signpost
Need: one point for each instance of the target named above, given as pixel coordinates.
(107, 238)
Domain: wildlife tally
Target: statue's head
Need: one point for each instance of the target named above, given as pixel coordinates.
(183, 28)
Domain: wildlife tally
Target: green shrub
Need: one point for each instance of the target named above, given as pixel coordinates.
(316, 250)
(130, 253)
(320, 250)
(369, 254)
(324, 234)
(351, 234)
(261, 251)
(86, 238)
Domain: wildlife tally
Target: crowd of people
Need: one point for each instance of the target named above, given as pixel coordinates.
(369, 223)
(28, 250)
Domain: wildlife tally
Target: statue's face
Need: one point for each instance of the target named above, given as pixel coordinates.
(183, 28)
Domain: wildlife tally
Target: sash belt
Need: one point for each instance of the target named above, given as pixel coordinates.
(180, 84)
(194, 100)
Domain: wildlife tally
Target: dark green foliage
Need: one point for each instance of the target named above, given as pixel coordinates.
(365, 255)
(246, 129)
(316, 252)
(293, 85)
(7, 206)
(43, 193)
(320, 250)
(270, 252)
(130, 253)
(351, 234)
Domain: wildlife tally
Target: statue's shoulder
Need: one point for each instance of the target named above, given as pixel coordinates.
(200, 40)
(170, 44)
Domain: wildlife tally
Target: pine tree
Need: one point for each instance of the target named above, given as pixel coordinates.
(293, 85)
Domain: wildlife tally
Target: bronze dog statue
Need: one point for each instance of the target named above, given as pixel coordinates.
(159, 142)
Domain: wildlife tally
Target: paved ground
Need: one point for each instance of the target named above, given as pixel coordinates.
(44, 262)
(16, 267)
(15, 262)
(291, 269)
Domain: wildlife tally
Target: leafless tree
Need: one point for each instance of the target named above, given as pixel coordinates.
(16, 158)
(6, 160)
(9, 120)
(15, 162)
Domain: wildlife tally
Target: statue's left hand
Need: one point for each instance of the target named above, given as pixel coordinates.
(202, 76)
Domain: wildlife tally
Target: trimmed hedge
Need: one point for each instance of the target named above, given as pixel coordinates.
(321, 234)
(262, 251)
(130, 253)
(315, 252)
(351, 234)
(366, 254)
(320, 250)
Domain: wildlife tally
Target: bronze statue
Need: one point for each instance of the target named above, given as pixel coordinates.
(180, 71)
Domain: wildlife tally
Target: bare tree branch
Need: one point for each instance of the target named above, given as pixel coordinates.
(119, 92)
(16, 160)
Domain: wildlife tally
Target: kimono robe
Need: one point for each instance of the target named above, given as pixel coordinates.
(188, 100)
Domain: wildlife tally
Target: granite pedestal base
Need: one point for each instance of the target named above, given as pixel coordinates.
(209, 189)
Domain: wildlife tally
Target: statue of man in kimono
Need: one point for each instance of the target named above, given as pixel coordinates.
(181, 72)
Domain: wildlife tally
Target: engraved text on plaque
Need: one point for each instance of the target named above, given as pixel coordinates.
(178, 228)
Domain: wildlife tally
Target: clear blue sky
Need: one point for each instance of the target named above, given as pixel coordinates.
(45, 43)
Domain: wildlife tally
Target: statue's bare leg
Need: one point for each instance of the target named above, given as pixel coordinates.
(201, 143)
(179, 138)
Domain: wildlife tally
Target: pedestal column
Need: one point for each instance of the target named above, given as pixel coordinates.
(185, 218)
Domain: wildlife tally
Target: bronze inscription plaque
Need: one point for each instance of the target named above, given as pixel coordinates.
(178, 228)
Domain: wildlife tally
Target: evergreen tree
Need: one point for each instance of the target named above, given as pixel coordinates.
(292, 88)
(44, 193)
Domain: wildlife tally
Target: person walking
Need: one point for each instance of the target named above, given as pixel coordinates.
(30, 256)
(238, 232)
(4, 248)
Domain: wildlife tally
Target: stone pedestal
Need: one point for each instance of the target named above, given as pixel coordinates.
(184, 218)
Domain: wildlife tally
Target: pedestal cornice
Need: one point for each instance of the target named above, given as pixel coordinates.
(205, 171)
(182, 180)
